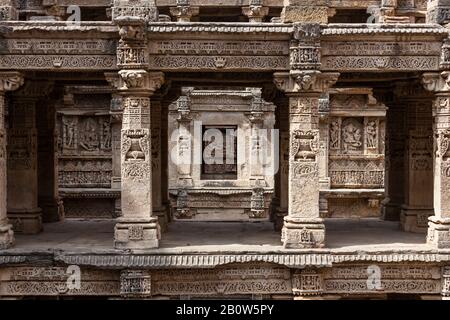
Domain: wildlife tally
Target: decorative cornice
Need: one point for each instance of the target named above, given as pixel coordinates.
(412, 29)
(235, 28)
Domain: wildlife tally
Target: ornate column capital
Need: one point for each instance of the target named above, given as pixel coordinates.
(305, 81)
(436, 82)
(139, 80)
(255, 11)
(10, 81)
(183, 12)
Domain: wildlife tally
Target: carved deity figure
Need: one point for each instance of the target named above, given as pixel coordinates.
(69, 133)
(351, 137)
(106, 136)
(334, 135)
(89, 139)
(371, 135)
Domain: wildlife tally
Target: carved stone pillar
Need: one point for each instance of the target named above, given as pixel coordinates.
(304, 85)
(256, 117)
(184, 139)
(116, 111)
(438, 11)
(395, 161)
(183, 12)
(303, 226)
(157, 165)
(418, 160)
(255, 11)
(439, 224)
(9, 81)
(306, 11)
(283, 172)
(138, 228)
(23, 210)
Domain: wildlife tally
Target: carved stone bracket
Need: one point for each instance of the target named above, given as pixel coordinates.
(306, 81)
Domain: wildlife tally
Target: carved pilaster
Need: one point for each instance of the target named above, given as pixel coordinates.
(439, 224)
(183, 12)
(303, 226)
(138, 228)
(9, 81)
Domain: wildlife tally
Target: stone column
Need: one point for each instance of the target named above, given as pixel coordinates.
(116, 111)
(183, 12)
(23, 210)
(395, 161)
(306, 11)
(256, 117)
(184, 139)
(303, 226)
(9, 81)
(439, 224)
(418, 160)
(138, 228)
(158, 209)
(255, 12)
(304, 85)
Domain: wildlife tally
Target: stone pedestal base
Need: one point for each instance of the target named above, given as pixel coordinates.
(391, 211)
(278, 218)
(50, 210)
(6, 236)
(137, 234)
(415, 220)
(439, 233)
(26, 222)
(161, 214)
(303, 233)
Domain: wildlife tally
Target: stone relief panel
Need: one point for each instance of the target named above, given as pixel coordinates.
(218, 55)
(84, 135)
(223, 281)
(420, 279)
(356, 134)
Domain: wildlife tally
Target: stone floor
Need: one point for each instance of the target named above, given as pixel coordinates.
(342, 236)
